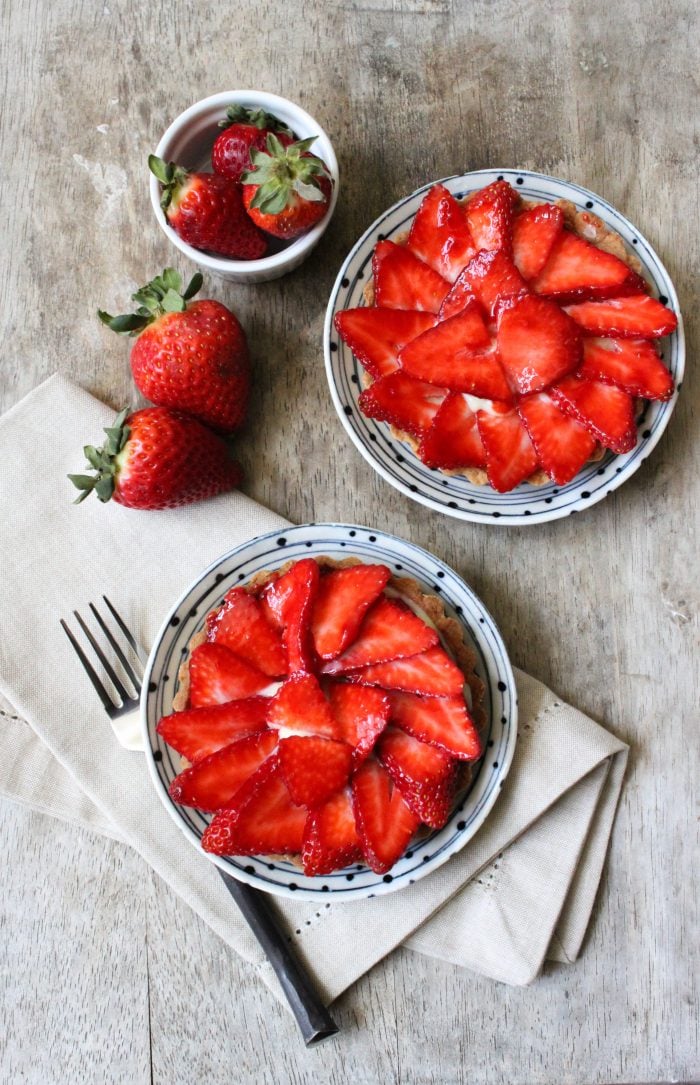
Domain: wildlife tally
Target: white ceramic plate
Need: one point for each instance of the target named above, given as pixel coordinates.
(337, 541)
(455, 495)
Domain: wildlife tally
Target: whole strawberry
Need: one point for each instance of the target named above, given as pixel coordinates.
(287, 190)
(191, 355)
(157, 458)
(207, 211)
(244, 130)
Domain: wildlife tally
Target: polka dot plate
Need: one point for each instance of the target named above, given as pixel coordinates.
(455, 495)
(403, 558)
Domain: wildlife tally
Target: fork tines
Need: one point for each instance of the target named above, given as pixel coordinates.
(126, 698)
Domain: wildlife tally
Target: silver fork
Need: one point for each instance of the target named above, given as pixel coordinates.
(311, 1015)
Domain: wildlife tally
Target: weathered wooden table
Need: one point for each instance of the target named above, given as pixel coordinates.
(105, 975)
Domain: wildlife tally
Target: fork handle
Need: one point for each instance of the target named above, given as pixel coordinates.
(313, 1018)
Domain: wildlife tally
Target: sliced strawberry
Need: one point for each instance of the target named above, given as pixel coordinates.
(241, 625)
(212, 783)
(534, 234)
(344, 597)
(404, 401)
(453, 440)
(314, 768)
(384, 822)
(578, 269)
(198, 732)
(441, 721)
(606, 411)
(426, 776)
(537, 344)
(510, 454)
(300, 706)
(632, 364)
(402, 281)
(218, 675)
(562, 444)
(440, 235)
(490, 216)
(291, 600)
(444, 356)
(390, 631)
(330, 836)
(495, 280)
(460, 297)
(362, 713)
(375, 336)
(635, 317)
(261, 820)
(432, 673)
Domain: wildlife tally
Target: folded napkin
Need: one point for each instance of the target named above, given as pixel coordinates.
(519, 892)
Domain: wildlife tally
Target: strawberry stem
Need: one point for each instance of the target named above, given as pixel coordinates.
(258, 118)
(171, 176)
(163, 294)
(281, 173)
(103, 461)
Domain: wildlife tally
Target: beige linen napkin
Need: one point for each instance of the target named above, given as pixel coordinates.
(520, 891)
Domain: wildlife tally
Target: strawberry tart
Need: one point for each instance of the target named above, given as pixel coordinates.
(508, 340)
(326, 712)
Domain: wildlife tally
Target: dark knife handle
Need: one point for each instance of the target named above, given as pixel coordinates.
(313, 1018)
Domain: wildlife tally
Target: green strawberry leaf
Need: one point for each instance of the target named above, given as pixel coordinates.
(194, 285)
(173, 302)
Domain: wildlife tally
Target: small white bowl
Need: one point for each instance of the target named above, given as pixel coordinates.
(188, 142)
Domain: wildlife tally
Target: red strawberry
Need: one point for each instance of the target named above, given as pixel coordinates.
(562, 444)
(440, 235)
(198, 732)
(330, 836)
(213, 782)
(207, 212)
(635, 317)
(404, 401)
(244, 130)
(460, 297)
(534, 234)
(402, 281)
(606, 411)
(390, 630)
(537, 344)
(384, 822)
(314, 768)
(362, 713)
(375, 336)
(510, 454)
(189, 355)
(453, 440)
(432, 673)
(217, 676)
(261, 820)
(441, 721)
(495, 281)
(441, 356)
(299, 706)
(157, 458)
(490, 216)
(290, 599)
(632, 364)
(287, 190)
(426, 776)
(241, 625)
(344, 597)
(577, 269)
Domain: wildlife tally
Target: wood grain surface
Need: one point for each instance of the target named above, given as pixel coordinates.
(104, 975)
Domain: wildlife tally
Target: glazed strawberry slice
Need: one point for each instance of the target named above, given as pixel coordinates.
(576, 268)
(390, 631)
(314, 768)
(562, 444)
(537, 344)
(375, 336)
(362, 712)
(218, 675)
(402, 281)
(330, 836)
(490, 216)
(453, 440)
(385, 824)
(432, 673)
(445, 356)
(440, 235)
(404, 401)
(299, 706)
(262, 819)
(212, 783)
(440, 721)
(495, 281)
(634, 317)
(198, 732)
(344, 597)
(510, 454)
(632, 364)
(606, 411)
(240, 624)
(534, 234)
(460, 297)
(426, 776)
(290, 599)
